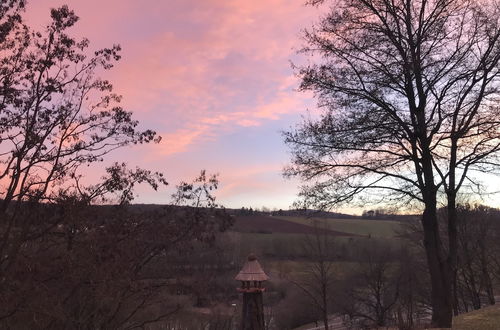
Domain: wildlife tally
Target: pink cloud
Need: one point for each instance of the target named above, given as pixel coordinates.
(178, 141)
(197, 71)
(199, 67)
(196, 58)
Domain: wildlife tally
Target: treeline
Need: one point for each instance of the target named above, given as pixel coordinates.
(384, 214)
(107, 267)
(290, 213)
(376, 214)
(386, 283)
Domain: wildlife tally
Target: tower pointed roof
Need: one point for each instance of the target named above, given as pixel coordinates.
(251, 271)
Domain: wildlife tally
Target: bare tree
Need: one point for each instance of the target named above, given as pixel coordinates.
(371, 292)
(476, 270)
(317, 277)
(106, 266)
(408, 92)
(55, 116)
(66, 261)
(477, 256)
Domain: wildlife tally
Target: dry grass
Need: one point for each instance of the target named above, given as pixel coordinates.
(487, 318)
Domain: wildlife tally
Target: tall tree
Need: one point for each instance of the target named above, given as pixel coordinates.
(55, 115)
(408, 93)
(65, 262)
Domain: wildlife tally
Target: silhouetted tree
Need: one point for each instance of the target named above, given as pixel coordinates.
(10, 18)
(55, 116)
(107, 266)
(478, 248)
(372, 290)
(316, 279)
(407, 90)
(64, 261)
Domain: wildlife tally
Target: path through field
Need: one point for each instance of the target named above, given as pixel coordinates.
(335, 323)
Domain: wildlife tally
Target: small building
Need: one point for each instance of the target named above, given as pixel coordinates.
(252, 277)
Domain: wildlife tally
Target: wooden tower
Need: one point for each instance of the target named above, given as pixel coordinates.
(251, 277)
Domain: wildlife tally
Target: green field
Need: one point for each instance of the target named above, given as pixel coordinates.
(290, 247)
(373, 228)
(285, 253)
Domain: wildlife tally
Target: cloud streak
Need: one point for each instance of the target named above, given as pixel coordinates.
(197, 71)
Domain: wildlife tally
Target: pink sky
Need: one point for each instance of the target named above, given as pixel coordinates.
(213, 77)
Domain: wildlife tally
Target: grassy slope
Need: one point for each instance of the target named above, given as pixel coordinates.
(487, 318)
(284, 253)
(375, 228)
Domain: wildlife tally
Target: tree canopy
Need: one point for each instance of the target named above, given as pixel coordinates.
(408, 92)
(397, 80)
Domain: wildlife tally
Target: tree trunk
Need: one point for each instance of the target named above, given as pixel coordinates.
(488, 286)
(441, 283)
(439, 265)
(456, 309)
(325, 321)
(453, 237)
(324, 293)
(486, 274)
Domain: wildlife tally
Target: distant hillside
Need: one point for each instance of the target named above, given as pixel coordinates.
(267, 225)
(323, 214)
(358, 226)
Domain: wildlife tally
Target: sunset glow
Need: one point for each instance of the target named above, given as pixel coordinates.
(213, 78)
